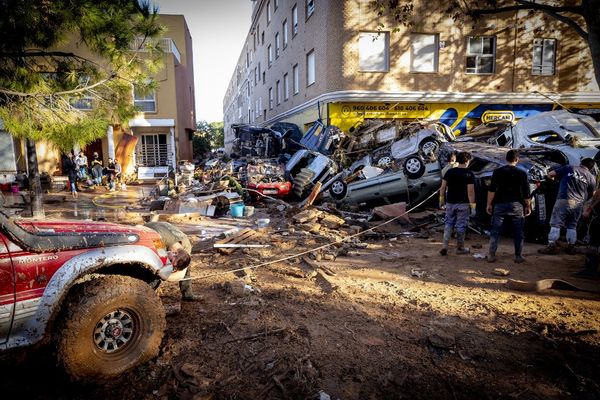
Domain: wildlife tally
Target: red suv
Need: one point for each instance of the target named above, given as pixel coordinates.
(86, 286)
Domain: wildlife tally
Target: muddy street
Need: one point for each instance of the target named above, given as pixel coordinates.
(385, 319)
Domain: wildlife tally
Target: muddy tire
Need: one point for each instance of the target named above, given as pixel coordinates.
(302, 182)
(108, 326)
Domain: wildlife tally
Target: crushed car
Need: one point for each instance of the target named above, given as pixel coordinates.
(267, 178)
(256, 141)
(537, 162)
(88, 288)
(404, 170)
(576, 135)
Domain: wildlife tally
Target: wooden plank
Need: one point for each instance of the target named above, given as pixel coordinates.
(242, 236)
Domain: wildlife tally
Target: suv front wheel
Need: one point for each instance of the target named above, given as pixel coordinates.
(109, 325)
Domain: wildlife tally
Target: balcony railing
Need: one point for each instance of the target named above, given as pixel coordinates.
(166, 44)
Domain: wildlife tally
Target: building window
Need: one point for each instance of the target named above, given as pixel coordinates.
(264, 77)
(310, 68)
(277, 45)
(262, 38)
(270, 98)
(278, 92)
(275, 5)
(481, 55)
(255, 77)
(257, 108)
(424, 52)
(310, 8)
(285, 34)
(144, 102)
(373, 49)
(286, 86)
(268, 12)
(296, 75)
(270, 55)
(294, 20)
(544, 57)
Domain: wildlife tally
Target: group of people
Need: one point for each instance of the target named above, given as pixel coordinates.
(509, 197)
(77, 169)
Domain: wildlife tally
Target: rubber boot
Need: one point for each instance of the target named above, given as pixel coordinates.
(187, 294)
(551, 249)
(446, 240)
(460, 244)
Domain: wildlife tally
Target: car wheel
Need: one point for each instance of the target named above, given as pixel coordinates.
(109, 325)
(338, 189)
(302, 182)
(384, 162)
(414, 167)
(429, 147)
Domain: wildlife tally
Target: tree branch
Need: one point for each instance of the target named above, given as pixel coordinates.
(42, 53)
(549, 10)
(65, 92)
(528, 5)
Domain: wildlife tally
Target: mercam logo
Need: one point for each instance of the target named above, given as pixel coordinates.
(497, 115)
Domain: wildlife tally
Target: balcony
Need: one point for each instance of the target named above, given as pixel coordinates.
(167, 45)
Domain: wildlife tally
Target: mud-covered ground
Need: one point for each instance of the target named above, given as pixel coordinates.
(391, 319)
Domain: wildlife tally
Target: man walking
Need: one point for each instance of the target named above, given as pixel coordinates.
(508, 197)
(577, 185)
(460, 185)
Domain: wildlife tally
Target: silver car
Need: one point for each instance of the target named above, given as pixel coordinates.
(389, 186)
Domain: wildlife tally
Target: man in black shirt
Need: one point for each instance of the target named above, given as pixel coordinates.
(460, 185)
(508, 197)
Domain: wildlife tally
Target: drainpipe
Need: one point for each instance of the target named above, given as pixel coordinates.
(111, 142)
(174, 152)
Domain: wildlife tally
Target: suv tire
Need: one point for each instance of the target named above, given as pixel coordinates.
(109, 325)
(302, 182)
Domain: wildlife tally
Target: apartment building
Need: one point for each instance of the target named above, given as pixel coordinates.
(305, 59)
(161, 134)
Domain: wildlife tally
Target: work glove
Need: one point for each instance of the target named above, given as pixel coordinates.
(442, 204)
(472, 210)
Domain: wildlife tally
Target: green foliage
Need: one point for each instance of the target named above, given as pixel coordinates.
(100, 63)
(218, 134)
(213, 132)
(200, 145)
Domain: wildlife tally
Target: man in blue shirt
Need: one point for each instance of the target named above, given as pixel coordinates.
(577, 185)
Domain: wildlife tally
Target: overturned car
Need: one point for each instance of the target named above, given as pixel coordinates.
(255, 141)
(267, 179)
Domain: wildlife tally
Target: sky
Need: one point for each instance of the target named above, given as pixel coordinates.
(218, 28)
